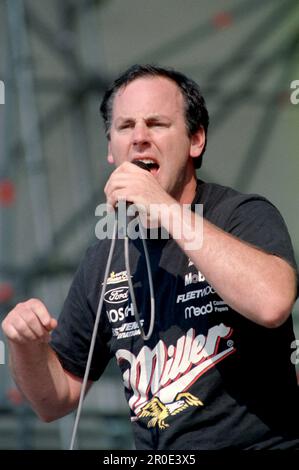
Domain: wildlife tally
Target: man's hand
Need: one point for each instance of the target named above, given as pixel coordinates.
(36, 369)
(138, 186)
(131, 183)
(29, 322)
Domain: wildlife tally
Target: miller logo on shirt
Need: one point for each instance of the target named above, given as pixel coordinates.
(160, 377)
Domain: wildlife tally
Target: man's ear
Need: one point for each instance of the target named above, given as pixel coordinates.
(110, 157)
(197, 143)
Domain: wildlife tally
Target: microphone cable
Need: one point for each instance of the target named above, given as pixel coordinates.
(144, 336)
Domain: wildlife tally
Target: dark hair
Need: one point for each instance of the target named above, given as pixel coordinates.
(196, 113)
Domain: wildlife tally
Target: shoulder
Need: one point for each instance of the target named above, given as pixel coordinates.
(98, 247)
(249, 217)
(92, 262)
(220, 203)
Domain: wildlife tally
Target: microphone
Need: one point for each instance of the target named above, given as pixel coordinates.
(122, 210)
(141, 164)
(144, 336)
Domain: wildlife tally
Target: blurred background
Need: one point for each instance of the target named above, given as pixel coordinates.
(56, 58)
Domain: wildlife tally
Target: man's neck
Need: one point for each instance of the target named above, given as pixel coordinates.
(189, 190)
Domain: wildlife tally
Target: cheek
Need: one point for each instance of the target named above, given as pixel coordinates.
(118, 149)
(177, 142)
(178, 150)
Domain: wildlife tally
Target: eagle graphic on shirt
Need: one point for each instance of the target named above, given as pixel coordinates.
(159, 411)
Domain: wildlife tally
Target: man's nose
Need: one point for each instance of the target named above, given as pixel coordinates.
(140, 134)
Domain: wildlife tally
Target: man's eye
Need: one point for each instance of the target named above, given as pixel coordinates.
(124, 126)
(158, 124)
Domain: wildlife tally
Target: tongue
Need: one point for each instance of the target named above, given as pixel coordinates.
(154, 168)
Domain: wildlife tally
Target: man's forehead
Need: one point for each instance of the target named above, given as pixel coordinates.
(148, 91)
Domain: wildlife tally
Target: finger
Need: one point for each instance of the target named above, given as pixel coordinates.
(46, 338)
(26, 320)
(117, 196)
(41, 313)
(122, 176)
(116, 181)
(53, 324)
(20, 332)
(131, 167)
(11, 332)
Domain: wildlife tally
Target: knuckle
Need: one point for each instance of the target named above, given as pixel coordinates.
(34, 302)
(18, 307)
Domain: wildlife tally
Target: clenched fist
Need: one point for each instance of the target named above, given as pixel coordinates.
(29, 322)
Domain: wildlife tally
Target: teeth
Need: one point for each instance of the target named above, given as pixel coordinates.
(146, 160)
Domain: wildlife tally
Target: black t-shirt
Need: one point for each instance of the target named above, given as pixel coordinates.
(208, 378)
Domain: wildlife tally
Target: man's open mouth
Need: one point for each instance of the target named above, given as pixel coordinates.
(150, 164)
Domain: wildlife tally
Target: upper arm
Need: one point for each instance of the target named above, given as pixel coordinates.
(258, 222)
